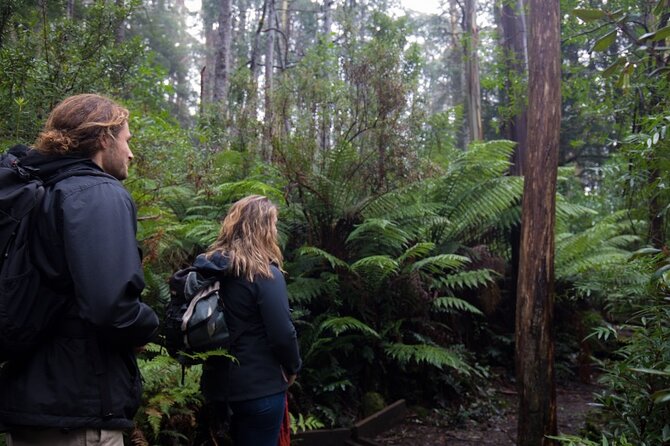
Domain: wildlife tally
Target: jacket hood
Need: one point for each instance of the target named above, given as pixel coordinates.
(216, 264)
(48, 166)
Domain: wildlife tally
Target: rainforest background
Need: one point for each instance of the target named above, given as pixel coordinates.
(393, 142)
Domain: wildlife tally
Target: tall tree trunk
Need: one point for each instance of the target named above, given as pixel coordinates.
(211, 50)
(269, 80)
(457, 66)
(222, 74)
(473, 96)
(69, 9)
(513, 23)
(120, 27)
(326, 122)
(516, 62)
(535, 301)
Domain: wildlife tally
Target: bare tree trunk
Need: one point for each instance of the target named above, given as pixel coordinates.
(325, 124)
(457, 66)
(516, 61)
(222, 74)
(269, 80)
(535, 301)
(473, 96)
(209, 70)
(512, 19)
(69, 9)
(120, 28)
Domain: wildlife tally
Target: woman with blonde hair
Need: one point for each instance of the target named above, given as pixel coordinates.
(247, 259)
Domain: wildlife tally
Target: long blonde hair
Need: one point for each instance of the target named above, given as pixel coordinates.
(248, 237)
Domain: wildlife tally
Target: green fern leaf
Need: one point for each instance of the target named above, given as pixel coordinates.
(339, 325)
(316, 252)
(427, 354)
(449, 304)
(437, 264)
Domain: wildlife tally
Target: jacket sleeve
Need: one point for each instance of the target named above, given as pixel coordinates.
(99, 230)
(273, 304)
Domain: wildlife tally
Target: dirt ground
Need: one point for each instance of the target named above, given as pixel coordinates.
(573, 403)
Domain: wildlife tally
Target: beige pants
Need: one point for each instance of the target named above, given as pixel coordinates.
(57, 437)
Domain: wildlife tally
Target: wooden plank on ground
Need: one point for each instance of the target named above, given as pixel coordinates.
(322, 437)
(380, 421)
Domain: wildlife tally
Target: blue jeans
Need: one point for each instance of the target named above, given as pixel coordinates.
(256, 422)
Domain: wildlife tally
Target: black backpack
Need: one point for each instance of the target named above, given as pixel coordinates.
(195, 320)
(25, 317)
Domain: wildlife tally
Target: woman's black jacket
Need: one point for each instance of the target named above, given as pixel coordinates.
(85, 374)
(265, 346)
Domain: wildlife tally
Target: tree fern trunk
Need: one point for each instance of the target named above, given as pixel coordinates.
(535, 302)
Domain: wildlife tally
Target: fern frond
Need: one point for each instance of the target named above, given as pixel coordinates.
(316, 252)
(466, 279)
(449, 304)
(385, 265)
(419, 250)
(437, 264)
(230, 192)
(427, 354)
(377, 235)
(339, 325)
(302, 290)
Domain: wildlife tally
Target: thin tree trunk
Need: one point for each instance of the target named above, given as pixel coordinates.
(535, 301)
(458, 71)
(120, 28)
(326, 122)
(269, 80)
(512, 19)
(69, 9)
(473, 96)
(222, 74)
(208, 71)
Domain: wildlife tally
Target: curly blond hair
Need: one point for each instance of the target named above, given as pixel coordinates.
(77, 125)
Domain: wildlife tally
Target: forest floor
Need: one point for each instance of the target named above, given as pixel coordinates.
(573, 404)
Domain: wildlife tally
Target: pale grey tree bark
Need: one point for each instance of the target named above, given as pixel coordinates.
(473, 94)
(222, 73)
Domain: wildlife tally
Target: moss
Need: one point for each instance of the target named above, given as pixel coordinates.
(372, 402)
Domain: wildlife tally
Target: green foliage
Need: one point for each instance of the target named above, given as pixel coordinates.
(426, 354)
(48, 57)
(169, 406)
(571, 440)
(305, 423)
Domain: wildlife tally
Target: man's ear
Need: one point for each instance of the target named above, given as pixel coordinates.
(105, 142)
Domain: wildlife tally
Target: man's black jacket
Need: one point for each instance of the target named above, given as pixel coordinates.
(85, 374)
